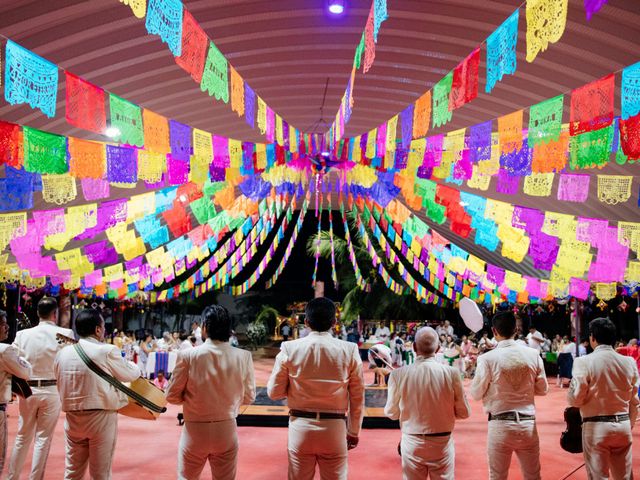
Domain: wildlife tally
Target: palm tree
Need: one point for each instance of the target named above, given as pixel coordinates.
(377, 303)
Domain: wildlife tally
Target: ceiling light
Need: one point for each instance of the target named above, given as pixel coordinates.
(112, 132)
(183, 198)
(336, 7)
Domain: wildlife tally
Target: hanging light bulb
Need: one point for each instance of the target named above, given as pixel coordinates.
(336, 7)
(112, 132)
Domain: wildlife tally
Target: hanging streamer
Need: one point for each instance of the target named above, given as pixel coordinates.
(44, 152)
(545, 121)
(86, 159)
(441, 92)
(127, 118)
(215, 78)
(194, 47)
(369, 45)
(164, 18)
(464, 87)
(237, 92)
(422, 115)
(138, 7)
(85, 104)
(546, 20)
(592, 106)
(501, 51)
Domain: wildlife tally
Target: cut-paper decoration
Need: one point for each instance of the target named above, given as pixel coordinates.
(249, 105)
(422, 115)
(127, 118)
(58, 189)
(138, 7)
(122, 164)
(237, 92)
(151, 166)
(501, 51)
(630, 138)
(29, 78)
(261, 117)
(614, 189)
(441, 92)
(538, 184)
(518, 162)
(85, 104)
(215, 78)
(44, 152)
(464, 86)
(592, 106)
(202, 144)
(507, 184)
(369, 41)
(591, 149)
(551, 156)
(573, 187)
(164, 18)
(510, 132)
(16, 190)
(11, 144)
(593, 6)
(545, 121)
(180, 137)
(95, 188)
(156, 132)
(86, 159)
(546, 21)
(177, 171)
(630, 91)
(194, 47)
(479, 142)
(380, 15)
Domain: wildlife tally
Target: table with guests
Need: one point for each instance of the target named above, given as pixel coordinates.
(321, 377)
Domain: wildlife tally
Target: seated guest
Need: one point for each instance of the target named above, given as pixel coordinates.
(485, 344)
(380, 362)
(427, 446)
(211, 381)
(91, 403)
(161, 381)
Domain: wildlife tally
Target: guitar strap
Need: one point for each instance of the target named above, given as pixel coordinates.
(116, 383)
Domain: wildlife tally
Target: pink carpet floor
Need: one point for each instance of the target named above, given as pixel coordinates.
(147, 450)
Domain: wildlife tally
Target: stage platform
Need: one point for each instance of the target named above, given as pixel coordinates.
(265, 412)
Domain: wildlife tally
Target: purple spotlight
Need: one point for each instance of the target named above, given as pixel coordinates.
(336, 7)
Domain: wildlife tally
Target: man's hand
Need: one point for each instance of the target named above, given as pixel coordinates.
(352, 442)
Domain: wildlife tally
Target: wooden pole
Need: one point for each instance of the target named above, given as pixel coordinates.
(577, 306)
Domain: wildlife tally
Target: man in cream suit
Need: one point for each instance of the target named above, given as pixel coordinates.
(90, 403)
(10, 364)
(321, 378)
(211, 381)
(507, 379)
(39, 413)
(605, 387)
(427, 446)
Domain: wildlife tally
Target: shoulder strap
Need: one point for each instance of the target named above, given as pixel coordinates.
(115, 382)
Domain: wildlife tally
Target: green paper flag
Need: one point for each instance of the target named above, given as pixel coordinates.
(126, 117)
(545, 121)
(203, 209)
(591, 149)
(44, 152)
(441, 92)
(357, 59)
(215, 78)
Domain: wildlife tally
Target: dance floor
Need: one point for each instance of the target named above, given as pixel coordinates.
(147, 450)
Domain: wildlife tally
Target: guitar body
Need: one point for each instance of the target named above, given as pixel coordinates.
(571, 438)
(142, 387)
(149, 391)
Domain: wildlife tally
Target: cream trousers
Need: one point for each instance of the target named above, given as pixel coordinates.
(427, 457)
(91, 440)
(507, 437)
(321, 442)
(216, 442)
(38, 417)
(607, 450)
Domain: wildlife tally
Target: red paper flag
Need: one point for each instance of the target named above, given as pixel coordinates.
(194, 47)
(592, 106)
(465, 81)
(630, 137)
(369, 43)
(85, 104)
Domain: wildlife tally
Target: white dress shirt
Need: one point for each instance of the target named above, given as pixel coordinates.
(604, 383)
(508, 377)
(11, 364)
(382, 352)
(39, 347)
(535, 340)
(426, 396)
(211, 381)
(383, 333)
(320, 373)
(80, 388)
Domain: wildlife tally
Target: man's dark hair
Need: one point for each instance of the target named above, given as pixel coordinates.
(603, 331)
(217, 322)
(3, 314)
(320, 313)
(87, 321)
(504, 323)
(46, 306)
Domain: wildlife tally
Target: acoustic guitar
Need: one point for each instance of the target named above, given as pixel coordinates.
(146, 401)
(571, 438)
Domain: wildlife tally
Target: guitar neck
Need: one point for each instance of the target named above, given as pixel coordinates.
(64, 340)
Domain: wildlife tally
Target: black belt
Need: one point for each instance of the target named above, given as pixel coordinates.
(439, 434)
(317, 415)
(512, 416)
(3, 407)
(607, 418)
(42, 383)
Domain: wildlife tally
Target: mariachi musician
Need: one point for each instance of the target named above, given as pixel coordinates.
(90, 403)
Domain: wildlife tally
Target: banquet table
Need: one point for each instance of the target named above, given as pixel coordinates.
(161, 361)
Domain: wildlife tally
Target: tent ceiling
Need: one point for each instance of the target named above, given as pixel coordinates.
(290, 50)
